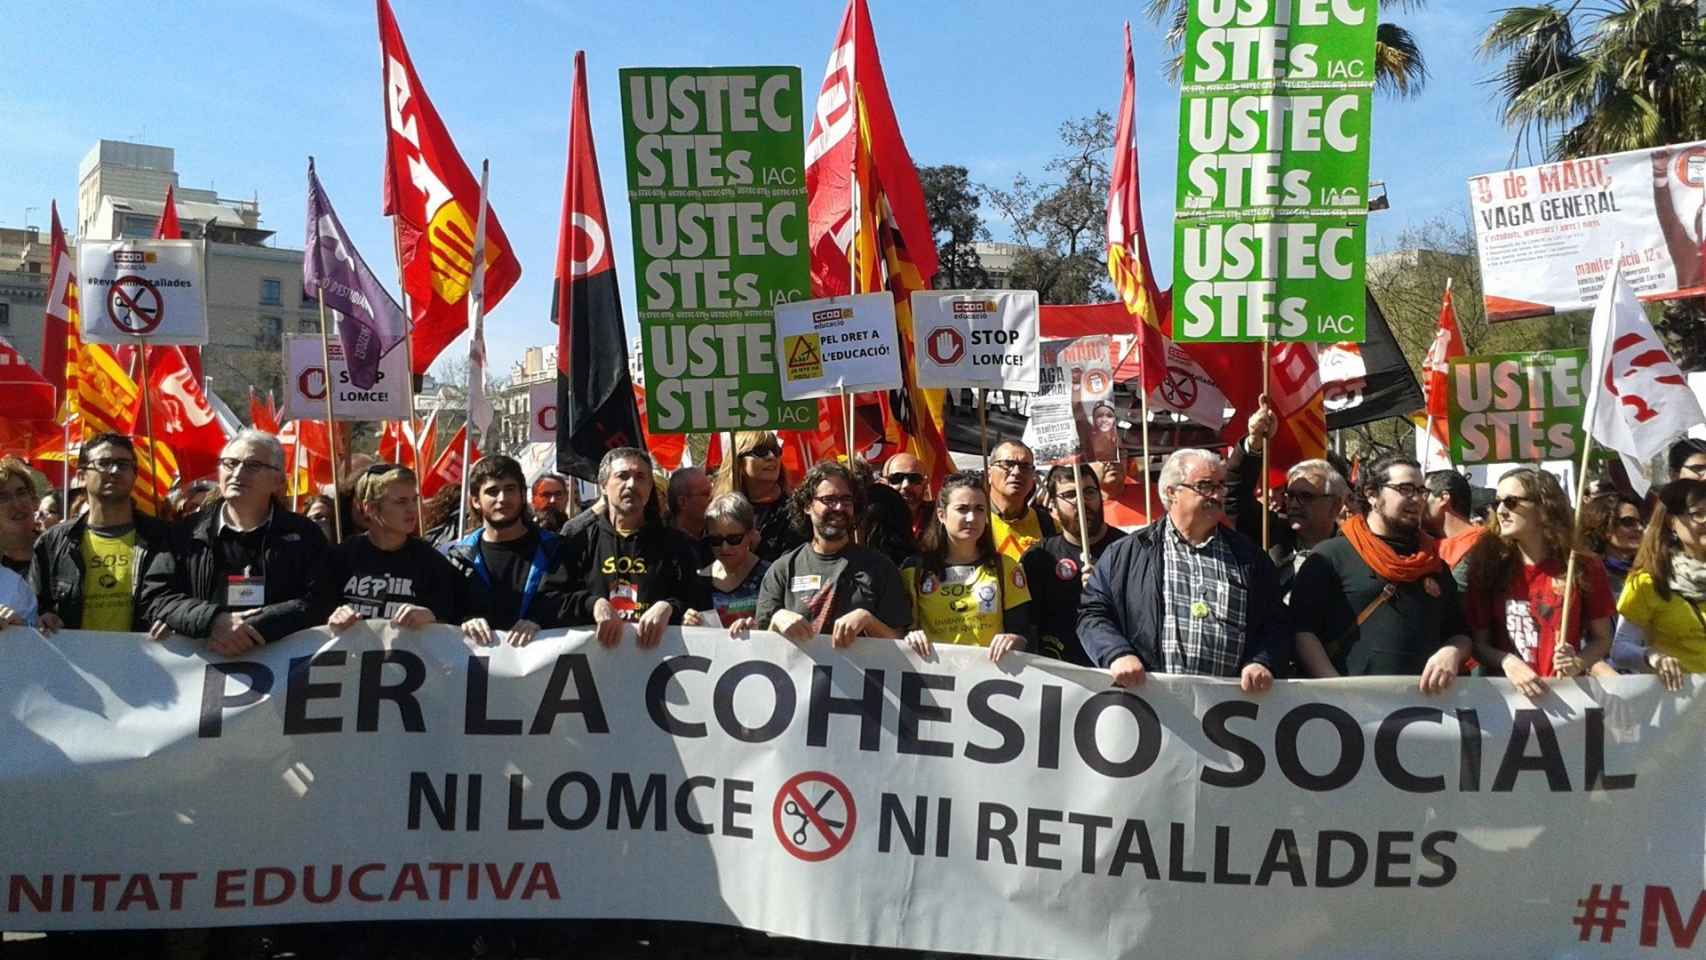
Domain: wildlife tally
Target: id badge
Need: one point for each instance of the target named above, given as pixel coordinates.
(245, 591)
(625, 597)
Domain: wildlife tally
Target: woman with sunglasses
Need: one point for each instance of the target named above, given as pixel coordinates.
(754, 471)
(1516, 589)
(963, 591)
(1661, 603)
(736, 572)
(1612, 527)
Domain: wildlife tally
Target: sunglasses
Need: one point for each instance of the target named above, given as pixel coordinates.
(726, 540)
(1629, 523)
(1512, 503)
(896, 479)
(763, 453)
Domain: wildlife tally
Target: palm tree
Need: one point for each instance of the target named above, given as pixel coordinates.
(1400, 70)
(1604, 77)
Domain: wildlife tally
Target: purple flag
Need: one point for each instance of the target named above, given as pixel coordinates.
(370, 323)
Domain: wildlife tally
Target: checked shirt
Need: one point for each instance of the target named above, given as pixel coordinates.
(1205, 606)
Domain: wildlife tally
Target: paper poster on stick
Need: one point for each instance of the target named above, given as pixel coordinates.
(153, 290)
(1072, 417)
(542, 412)
(976, 338)
(1544, 233)
(305, 383)
(1523, 407)
(716, 185)
(838, 343)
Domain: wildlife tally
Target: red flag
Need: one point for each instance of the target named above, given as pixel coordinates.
(1294, 390)
(426, 442)
(667, 448)
(60, 306)
(168, 229)
(1436, 367)
(448, 467)
(1128, 250)
(261, 415)
(24, 393)
(183, 419)
(391, 443)
(435, 200)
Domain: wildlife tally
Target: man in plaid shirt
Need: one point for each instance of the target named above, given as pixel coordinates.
(1187, 594)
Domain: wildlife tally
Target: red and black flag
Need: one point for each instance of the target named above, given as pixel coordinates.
(595, 392)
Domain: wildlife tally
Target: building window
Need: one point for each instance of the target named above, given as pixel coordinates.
(272, 290)
(307, 325)
(5, 316)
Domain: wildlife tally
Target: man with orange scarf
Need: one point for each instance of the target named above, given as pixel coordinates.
(1379, 601)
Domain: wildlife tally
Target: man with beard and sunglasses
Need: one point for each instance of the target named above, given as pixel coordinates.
(628, 566)
(1055, 568)
(1187, 594)
(515, 578)
(1379, 600)
(830, 585)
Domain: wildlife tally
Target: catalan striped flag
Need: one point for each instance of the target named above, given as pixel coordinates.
(1128, 251)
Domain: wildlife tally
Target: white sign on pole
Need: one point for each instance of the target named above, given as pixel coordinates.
(836, 344)
(305, 383)
(152, 290)
(976, 338)
(1072, 417)
(542, 412)
(1544, 233)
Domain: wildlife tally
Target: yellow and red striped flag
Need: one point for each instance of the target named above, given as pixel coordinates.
(1128, 250)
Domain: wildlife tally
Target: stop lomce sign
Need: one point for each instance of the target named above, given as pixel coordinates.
(945, 345)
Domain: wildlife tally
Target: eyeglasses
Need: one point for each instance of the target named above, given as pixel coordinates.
(838, 500)
(727, 540)
(1211, 489)
(1409, 491)
(1629, 523)
(765, 452)
(1510, 504)
(1696, 470)
(1305, 497)
(1014, 466)
(233, 465)
(899, 479)
(110, 466)
(1697, 516)
(1071, 496)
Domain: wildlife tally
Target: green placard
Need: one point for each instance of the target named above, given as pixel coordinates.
(716, 186)
(1517, 407)
(1274, 125)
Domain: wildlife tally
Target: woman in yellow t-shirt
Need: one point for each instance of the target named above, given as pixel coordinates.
(963, 591)
(1665, 595)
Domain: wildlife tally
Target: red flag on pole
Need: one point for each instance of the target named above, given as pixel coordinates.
(435, 200)
(261, 415)
(167, 228)
(1436, 368)
(447, 469)
(60, 306)
(1128, 250)
(183, 419)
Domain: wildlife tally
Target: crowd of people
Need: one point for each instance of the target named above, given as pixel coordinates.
(1387, 572)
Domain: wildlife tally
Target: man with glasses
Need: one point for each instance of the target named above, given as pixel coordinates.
(550, 492)
(1379, 601)
(245, 572)
(1187, 595)
(687, 495)
(1445, 516)
(905, 473)
(88, 573)
(387, 571)
(1012, 479)
(830, 585)
(1055, 568)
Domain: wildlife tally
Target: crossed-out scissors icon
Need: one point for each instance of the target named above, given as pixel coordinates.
(792, 809)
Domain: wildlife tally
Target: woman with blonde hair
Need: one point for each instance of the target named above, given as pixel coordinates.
(1516, 589)
(753, 469)
(1662, 599)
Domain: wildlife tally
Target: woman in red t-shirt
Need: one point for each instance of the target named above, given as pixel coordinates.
(1516, 589)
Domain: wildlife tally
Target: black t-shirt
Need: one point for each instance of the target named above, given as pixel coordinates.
(775, 524)
(1052, 568)
(19, 567)
(1335, 584)
(376, 582)
(507, 563)
(240, 552)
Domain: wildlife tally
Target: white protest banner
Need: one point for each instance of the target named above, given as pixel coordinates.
(862, 796)
(305, 383)
(838, 343)
(155, 290)
(1544, 232)
(976, 338)
(542, 412)
(1072, 416)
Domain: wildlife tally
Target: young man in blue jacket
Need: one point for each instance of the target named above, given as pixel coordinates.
(1186, 594)
(516, 581)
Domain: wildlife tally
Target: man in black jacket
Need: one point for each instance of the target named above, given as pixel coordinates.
(1186, 594)
(514, 573)
(121, 543)
(244, 571)
(628, 565)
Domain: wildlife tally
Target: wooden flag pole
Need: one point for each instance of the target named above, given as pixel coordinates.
(296, 472)
(1083, 524)
(331, 424)
(155, 495)
(1267, 345)
(983, 425)
(1143, 399)
(477, 311)
(1582, 475)
(847, 421)
(409, 358)
(65, 448)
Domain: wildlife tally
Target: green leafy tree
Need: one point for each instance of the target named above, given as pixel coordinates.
(1399, 67)
(1060, 222)
(952, 203)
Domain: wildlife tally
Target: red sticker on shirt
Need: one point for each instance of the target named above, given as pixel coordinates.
(1066, 569)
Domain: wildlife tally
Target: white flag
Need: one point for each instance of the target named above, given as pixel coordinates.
(479, 406)
(1638, 401)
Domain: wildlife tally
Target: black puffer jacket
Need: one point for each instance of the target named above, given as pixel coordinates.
(183, 588)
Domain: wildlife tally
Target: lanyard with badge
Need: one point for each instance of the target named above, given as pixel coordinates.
(245, 590)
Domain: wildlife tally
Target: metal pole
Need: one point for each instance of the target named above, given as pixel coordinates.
(331, 424)
(1267, 344)
(155, 495)
(409, 358)
(1143, 400)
